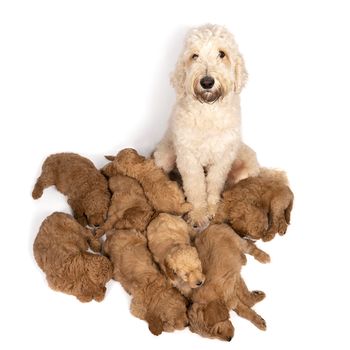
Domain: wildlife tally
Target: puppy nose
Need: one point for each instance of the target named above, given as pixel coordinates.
(207, 82)
(229, 338)
(199, 283)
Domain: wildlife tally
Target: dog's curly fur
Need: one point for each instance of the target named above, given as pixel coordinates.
(60, 250)
(169, 240)
(205, 126)
(77, 178)
(222, 253)
(129, 208)
(258, 207)
(245, 165)
(163, 194)
(154, 298)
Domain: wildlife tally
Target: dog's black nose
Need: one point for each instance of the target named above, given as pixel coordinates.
(207, 82)
(199, 283)
(229, 338)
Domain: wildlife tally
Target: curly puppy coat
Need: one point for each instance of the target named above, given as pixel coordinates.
(154, 298)
(221, 252)
(163, 194)
(129, 207)
(258, 207)
(77, 178)
(169, 240)
(60, 250)
(205, 126)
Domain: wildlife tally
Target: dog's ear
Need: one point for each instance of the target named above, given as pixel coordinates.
(215, 312)
(168, 270)
(178, 77)
(241, 75)
(155, 324)
(111, 158)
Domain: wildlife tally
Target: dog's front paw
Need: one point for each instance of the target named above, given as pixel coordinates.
(212, 209)
(198, 218)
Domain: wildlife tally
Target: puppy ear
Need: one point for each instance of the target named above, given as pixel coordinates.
(155, 324)
(168, 270)
(215, 312)
(178, 77)
(241, 75)
(111, 158)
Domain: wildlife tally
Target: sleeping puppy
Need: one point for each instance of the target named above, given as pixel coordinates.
(153, 297)
(222, 253)
(78, 179)
(169, 240)
(258, 207)
(60, 250)
(129, 208)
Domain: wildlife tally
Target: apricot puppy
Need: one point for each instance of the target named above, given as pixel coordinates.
(163, 194)
(169, 240)
(154, 298)
(129, 208)
(60, 250)
(258, 207)
(222, 253)
(77, 178)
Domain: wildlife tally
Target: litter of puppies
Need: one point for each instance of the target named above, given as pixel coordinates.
(177, 276)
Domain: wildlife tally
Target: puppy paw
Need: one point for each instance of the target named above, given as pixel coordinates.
(262, 257)
(198, 218)
(259, 322)
(258, 295)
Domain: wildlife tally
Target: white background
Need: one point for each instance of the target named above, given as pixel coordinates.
(92, 77)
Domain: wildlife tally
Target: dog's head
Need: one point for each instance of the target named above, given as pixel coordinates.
(211, 320)
(96, 205)
(184, 263)
(210, 66)
(93, 272)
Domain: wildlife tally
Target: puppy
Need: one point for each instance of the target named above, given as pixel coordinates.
(169, 240)
(221, 252)
(60, 250)
(154, 299)
(258, 207)
(163, 194)
(77, 178)
(205, 126)
(129, 207)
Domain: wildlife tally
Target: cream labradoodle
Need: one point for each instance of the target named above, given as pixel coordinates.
(204, 134)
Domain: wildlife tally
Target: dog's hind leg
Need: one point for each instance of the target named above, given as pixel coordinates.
(246, 297)
(164, 155)
(250, 315)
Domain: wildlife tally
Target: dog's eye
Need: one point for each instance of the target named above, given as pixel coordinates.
(222, 54)
(194, 56)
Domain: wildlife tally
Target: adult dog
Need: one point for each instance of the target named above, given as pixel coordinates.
(204, 134)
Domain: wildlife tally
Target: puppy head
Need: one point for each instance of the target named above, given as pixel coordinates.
(184, 263)
(210, 66)
(165, 308)
(96, 205)
(98, 270)
(249, 220)
(128, 157)
(211, 320)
